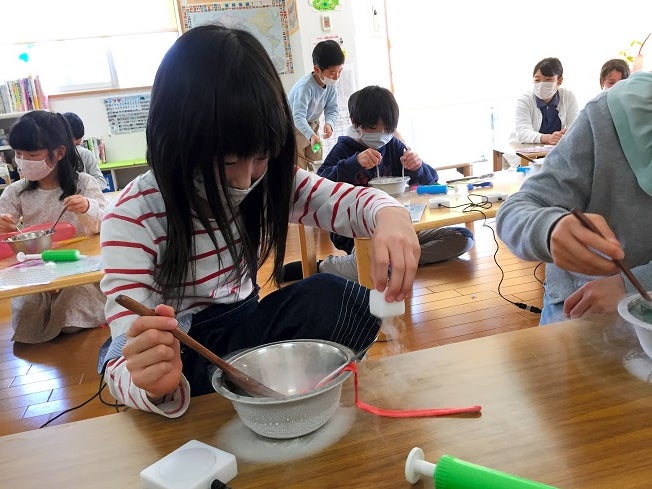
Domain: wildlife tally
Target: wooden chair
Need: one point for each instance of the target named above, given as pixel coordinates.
(308, 254)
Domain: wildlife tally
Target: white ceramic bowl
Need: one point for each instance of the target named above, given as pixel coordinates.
(292, 368)
(391, 185)
(631, 310)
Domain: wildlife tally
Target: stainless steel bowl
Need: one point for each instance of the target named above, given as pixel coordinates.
(30, 242)
(292, 368)
(391, 185)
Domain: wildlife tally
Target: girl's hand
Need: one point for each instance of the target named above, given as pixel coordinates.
(600, 296)
(369, 158)
(411, 161)
(328, 131)
(577, 249)
(395, 244)
(153, 354)
(76, 203)
(7, 223)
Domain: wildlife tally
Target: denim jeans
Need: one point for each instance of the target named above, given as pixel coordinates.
(551, 312)
(321, 306)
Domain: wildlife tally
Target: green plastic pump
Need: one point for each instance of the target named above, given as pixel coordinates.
(51, 255)
(453, 473)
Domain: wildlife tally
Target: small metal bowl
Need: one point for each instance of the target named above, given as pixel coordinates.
(292, 368)
(30, 242)
(391, 185)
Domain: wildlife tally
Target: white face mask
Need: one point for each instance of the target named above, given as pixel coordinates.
(33, 170)
(237, 195)
(375, 140)
(329, 82)
(545, 90)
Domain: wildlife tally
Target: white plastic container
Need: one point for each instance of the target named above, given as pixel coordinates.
(380, 308)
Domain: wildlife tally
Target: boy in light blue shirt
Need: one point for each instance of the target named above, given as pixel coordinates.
(313, 95)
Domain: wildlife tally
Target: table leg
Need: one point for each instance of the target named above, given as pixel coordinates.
(307, 247)
(498, 160)
(362, 258)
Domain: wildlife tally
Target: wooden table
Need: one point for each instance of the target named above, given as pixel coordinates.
(435, 218)
(559, 406)
(532, 150)
(432, 218)
(88, 245)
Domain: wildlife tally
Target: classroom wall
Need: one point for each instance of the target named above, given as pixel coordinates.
(91, 109)
(458, 72)
(345, 25)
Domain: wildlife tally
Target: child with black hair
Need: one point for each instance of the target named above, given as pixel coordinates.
(187, 237)
(91, 165)
(371, 149)
(53, 178)
(313, 95)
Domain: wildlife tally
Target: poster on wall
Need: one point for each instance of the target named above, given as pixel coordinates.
(293, 18)
(267, 20)
(127, 113)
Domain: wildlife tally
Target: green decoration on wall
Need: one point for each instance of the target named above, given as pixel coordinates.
(325, 4)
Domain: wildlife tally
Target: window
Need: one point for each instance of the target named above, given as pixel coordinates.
(78, 52)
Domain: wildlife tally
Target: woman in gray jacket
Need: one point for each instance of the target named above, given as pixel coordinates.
(603, 167)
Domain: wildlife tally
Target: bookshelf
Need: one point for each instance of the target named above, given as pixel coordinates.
(6, 153)
(22, 95)
(122, 172)
(17, 97)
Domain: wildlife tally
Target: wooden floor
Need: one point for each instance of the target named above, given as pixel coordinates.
(452, 301)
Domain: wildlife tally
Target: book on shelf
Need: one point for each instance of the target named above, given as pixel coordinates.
(95, 146)
(22, 95)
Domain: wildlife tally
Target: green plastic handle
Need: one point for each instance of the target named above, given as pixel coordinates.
(316, 147)
(60, 255)
(453, 473)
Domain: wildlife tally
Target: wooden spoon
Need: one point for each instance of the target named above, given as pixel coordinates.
(238, 377)
(339, 369)
(619, 263)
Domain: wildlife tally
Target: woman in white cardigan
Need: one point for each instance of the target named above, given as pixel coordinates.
(544, 113)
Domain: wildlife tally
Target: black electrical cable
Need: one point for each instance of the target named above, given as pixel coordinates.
(101, 387)
(535, 273)
(473, 206)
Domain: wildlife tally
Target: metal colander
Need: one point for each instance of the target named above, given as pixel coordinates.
(292, 368)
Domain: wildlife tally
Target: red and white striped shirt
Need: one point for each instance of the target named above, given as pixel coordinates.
(134, 238)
